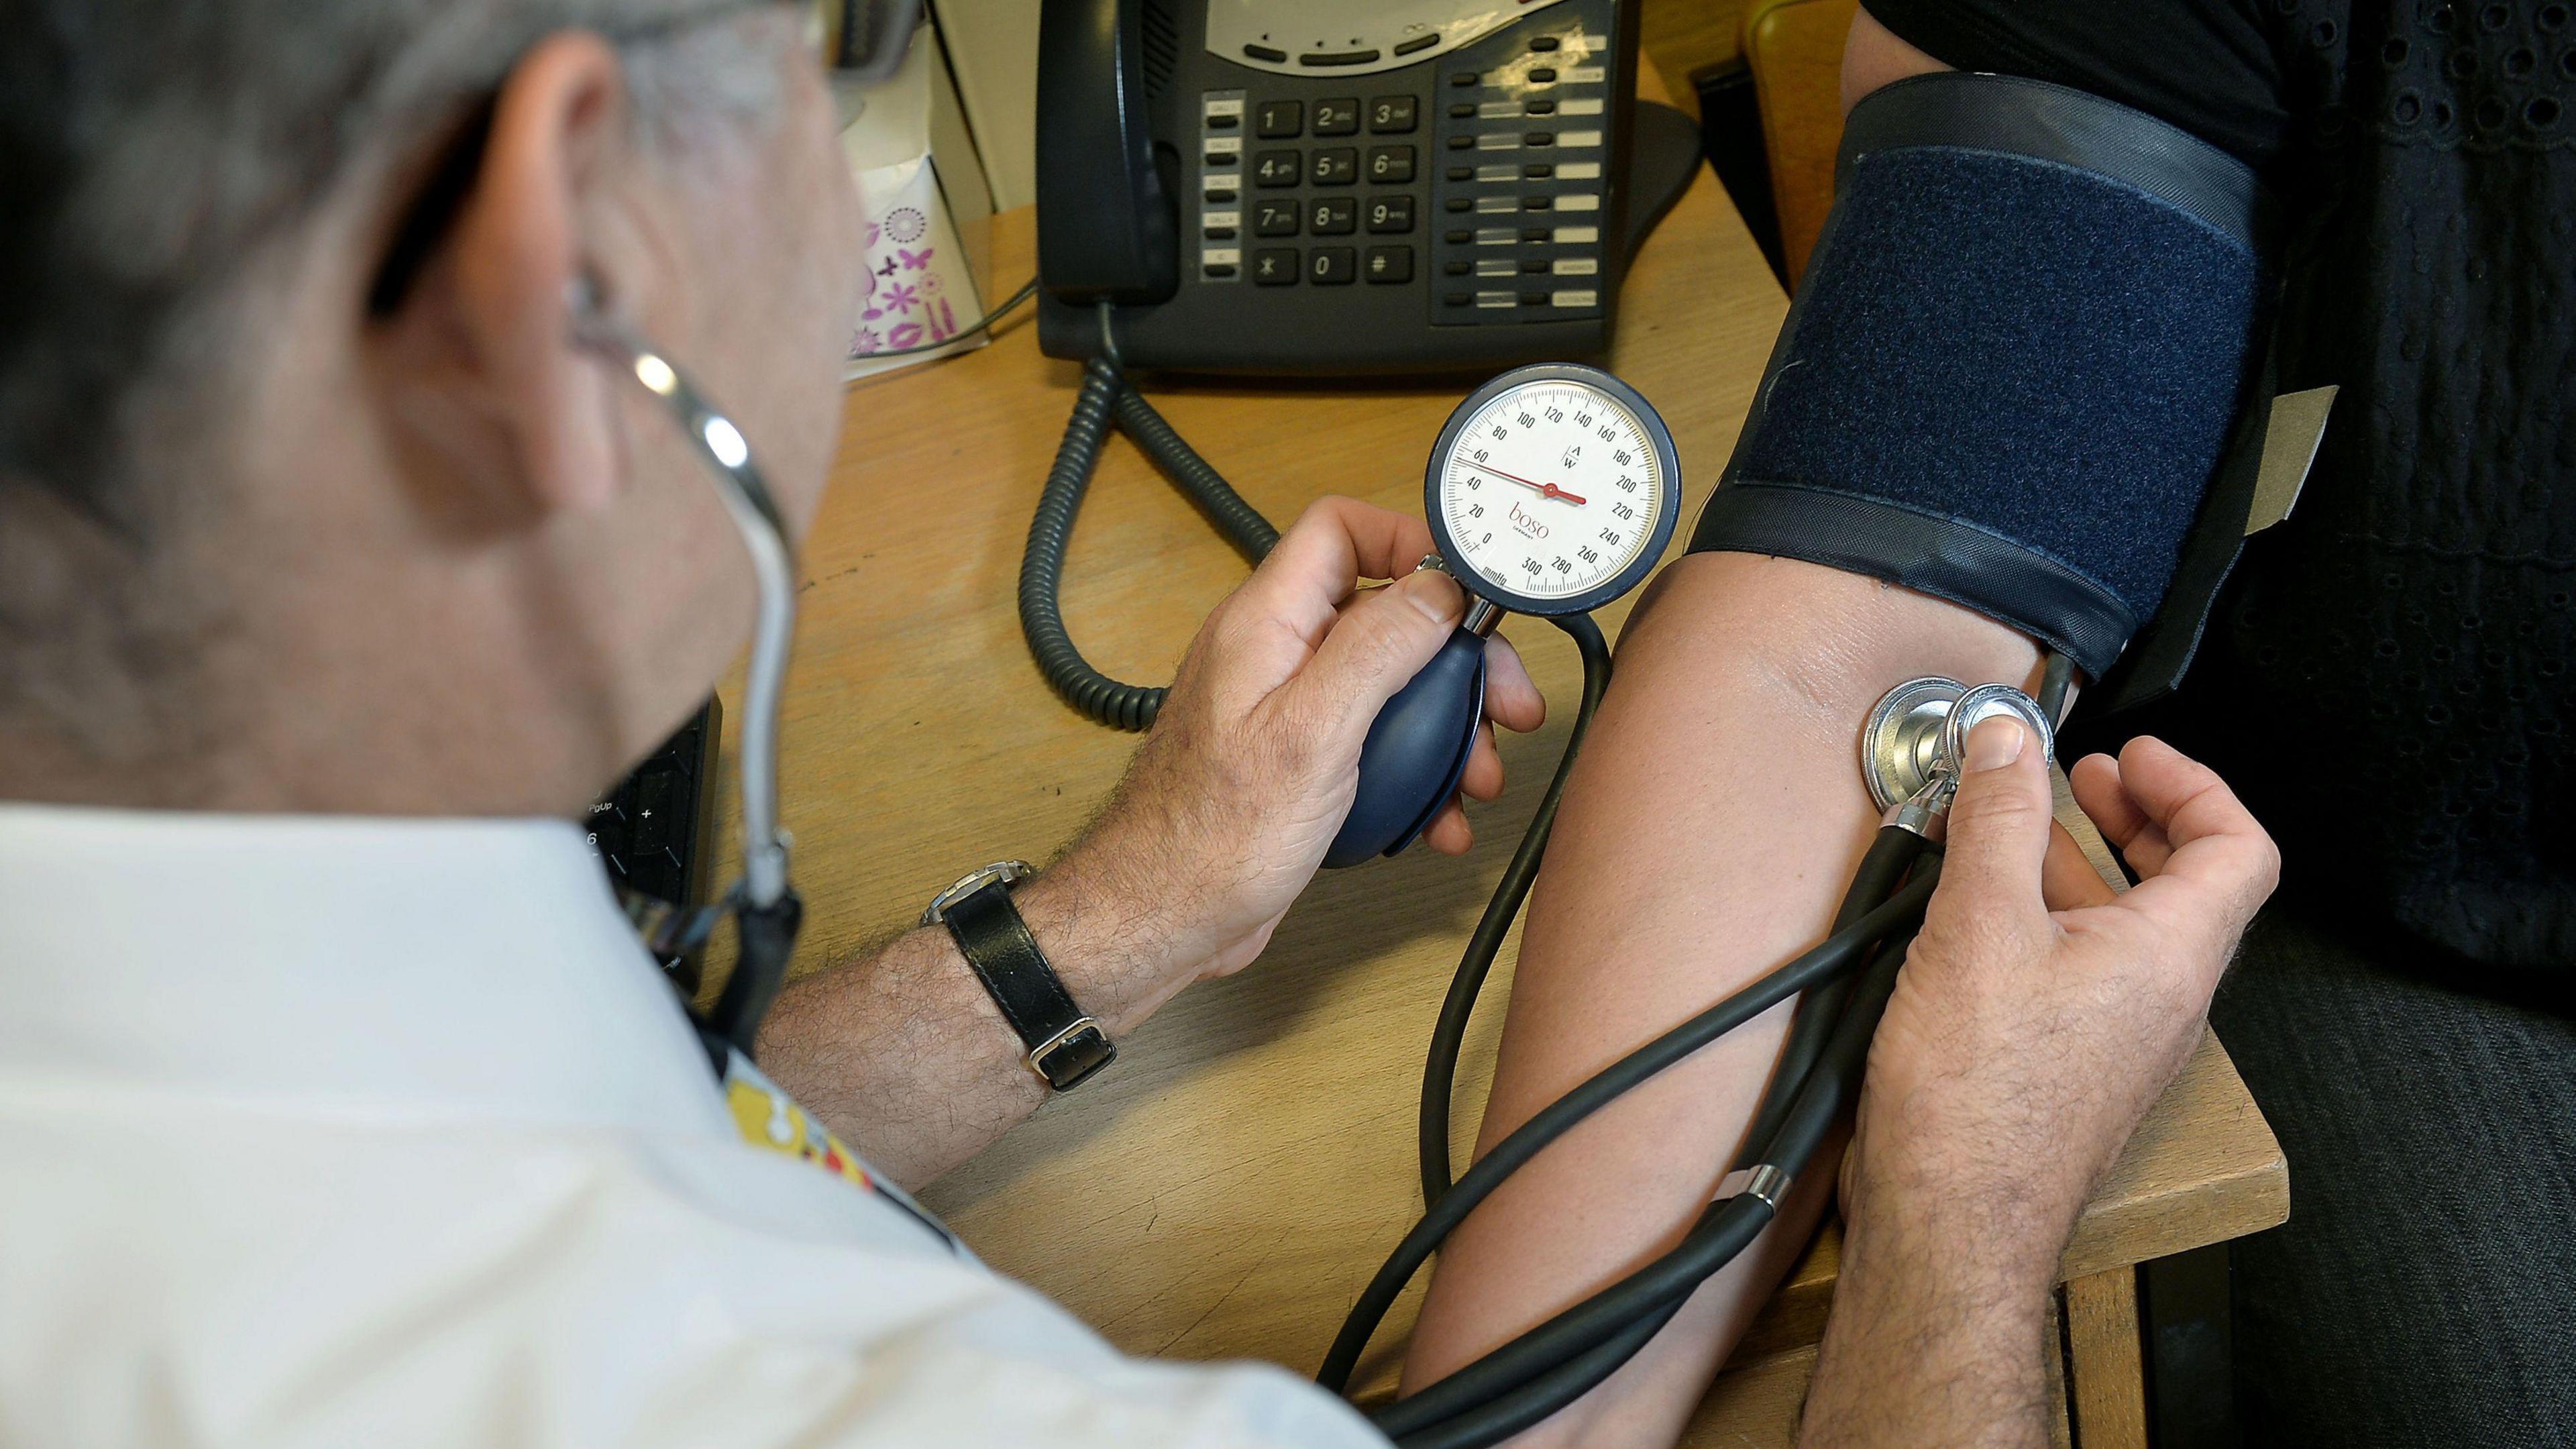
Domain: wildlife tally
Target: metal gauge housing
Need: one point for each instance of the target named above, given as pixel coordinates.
(1553, 489)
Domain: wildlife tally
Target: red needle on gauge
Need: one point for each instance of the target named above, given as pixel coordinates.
(1548, 489)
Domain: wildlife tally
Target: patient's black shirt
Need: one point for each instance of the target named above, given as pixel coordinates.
(2388, 680)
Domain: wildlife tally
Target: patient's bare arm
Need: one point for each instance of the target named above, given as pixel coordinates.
(1710, 828)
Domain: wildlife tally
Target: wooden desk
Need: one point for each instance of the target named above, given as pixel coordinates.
(1227, 1189)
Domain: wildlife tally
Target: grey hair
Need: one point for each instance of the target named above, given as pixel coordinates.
(149, 152)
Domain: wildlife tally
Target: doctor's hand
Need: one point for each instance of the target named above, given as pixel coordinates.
(1253, 762)
(2039, 1014)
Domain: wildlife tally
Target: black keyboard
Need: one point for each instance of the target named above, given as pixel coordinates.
(652, 832)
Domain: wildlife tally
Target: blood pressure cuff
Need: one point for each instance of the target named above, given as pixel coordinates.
(2015, 361)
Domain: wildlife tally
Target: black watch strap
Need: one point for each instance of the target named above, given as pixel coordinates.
(1065, 1046)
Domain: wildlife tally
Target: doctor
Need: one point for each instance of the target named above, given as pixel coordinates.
(338, 1102)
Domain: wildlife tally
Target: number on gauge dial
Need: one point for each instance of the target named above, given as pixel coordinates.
(1551, 489)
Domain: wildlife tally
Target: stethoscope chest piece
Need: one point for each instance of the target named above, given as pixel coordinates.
(1920, 728)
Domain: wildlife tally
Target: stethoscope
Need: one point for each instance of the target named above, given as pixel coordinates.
(765, 907)
(1910, 746)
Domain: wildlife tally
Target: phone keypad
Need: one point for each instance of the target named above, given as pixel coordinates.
(1485, 176)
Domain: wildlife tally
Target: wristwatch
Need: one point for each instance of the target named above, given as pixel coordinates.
(1065, 1045)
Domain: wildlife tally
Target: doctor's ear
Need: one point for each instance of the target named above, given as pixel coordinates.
(522, 216)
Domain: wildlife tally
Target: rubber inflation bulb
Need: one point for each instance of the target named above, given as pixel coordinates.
(1415, 754)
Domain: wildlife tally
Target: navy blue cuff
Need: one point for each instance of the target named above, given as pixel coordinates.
(1926, 552)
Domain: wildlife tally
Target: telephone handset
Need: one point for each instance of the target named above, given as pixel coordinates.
(1343, 186)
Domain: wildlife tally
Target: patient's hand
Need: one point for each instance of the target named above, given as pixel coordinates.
(2037, 1019)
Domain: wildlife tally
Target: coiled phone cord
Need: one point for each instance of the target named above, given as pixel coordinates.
(1105, 396)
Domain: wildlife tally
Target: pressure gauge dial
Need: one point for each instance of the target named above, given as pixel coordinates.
(1553, 489)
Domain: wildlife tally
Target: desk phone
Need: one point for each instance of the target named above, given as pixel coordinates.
(1341, 186)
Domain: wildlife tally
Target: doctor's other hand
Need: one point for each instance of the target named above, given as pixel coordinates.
(2039, 1014)
(1253, 762)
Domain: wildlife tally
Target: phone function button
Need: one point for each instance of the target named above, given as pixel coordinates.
(1539, 108)
(1276, 168)
(1533, 264)
(1460, 203)
(1332, 266)
(1336, 166)
(1465, 78)
(1278, 119)
(1459, 237)
(1390, 264)
(1390, 215)
(1542, 76)
(1546, 42)
(1332, 216)
(1392, 115)
(1222, 159)
(1218, 233)
(1458, 299)
(1461, 141)
(1263, 52)
(1457, 269)
(1541, 138)
(1275, 267)
(1338, 117)
(1223, 123)
(1462, 173)
(1419, 42)
(1534, 233)
(1538, 170)
(1274, 218)
(1390, 164)
(1536, 299)
(1339, 57)
(1218, 271)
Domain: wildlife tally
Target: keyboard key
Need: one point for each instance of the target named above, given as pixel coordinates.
(1277, 119)
(1390, 264)
(1390, 214)
(1419, 42)
(1336, 166)
(1274, 218)
(1391, 115)
(1332, 266)
(1338, 117)
(1391, 165)
(1332, 216)
(657, 803)
(1276, 168)
(1275, 267)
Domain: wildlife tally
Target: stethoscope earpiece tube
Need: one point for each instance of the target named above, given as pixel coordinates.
(767, 911)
